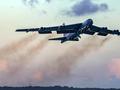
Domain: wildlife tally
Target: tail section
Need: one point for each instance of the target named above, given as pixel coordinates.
(62, 39)
(65, 35)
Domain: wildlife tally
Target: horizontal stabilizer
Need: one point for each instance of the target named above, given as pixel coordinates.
(60, 38)
(102, 34)
(63, 39)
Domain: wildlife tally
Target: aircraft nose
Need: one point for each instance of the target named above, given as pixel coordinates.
(90, 21)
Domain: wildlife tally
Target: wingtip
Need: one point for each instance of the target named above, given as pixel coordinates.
(118, 32)
(17, 30)
(52, 39)
(22, 30)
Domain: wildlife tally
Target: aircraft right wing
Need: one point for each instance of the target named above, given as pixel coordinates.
(103, 31)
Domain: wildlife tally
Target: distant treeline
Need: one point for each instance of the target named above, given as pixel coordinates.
(52, 88)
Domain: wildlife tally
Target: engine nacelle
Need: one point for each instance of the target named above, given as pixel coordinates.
(103, 32)
(116, 32)
(42, 30)
(104, 28)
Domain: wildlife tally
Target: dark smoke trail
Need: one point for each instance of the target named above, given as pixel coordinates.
(65, 63)
(13, 47)
(15, 65)
(9, 51)
(28, 56)
(38, 46)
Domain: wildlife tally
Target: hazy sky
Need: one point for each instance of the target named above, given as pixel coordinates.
(27, 59)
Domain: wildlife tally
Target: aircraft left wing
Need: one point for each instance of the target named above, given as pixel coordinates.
(59, 29)
(27, 30)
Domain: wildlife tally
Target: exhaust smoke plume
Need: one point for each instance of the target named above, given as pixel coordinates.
(17, 57)
(24, 57)
(15, 46)
(38, 46)
(114, 68)
(64, 64)
(31, 52)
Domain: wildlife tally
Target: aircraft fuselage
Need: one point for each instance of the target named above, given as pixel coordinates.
(85, 26)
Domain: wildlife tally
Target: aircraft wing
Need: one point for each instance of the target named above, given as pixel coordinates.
(103, 31)
(59, 29)
(27, 30)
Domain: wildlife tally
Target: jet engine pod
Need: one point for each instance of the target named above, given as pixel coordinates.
(43, 30)
(104, 28)
(116, 32)
(27, 30)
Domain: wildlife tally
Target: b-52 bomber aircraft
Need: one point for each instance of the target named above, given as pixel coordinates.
(72, 32)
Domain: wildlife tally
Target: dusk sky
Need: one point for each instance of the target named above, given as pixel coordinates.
(30, 59)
